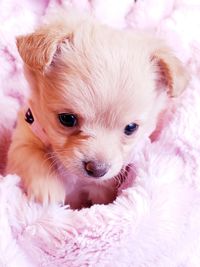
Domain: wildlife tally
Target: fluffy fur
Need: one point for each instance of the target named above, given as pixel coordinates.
(156, 221)
(108, 78)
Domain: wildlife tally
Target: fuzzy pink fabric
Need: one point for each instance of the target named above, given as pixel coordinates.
(156, 221)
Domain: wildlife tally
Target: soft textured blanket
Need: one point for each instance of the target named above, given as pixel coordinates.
(153, 223)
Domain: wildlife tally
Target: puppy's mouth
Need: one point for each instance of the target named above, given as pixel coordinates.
(92, 170)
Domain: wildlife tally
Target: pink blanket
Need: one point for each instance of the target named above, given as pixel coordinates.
(153, 223)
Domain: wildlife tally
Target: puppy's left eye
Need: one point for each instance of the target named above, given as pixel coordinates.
(67, 120)
(130, 128)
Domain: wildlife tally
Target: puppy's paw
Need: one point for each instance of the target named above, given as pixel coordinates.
(46, 190)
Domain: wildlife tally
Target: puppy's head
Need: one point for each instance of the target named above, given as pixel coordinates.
(97, 91)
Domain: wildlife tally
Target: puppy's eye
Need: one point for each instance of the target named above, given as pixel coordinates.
(67, 120)
(130, 128)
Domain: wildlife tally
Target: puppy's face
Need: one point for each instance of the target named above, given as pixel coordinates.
(97, 92)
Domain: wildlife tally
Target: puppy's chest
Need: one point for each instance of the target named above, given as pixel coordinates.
(84, 194)
(80, 192)
(79, 196)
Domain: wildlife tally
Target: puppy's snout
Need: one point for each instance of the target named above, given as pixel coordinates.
(96, 169)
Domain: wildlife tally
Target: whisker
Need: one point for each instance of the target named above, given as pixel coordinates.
(122, 176)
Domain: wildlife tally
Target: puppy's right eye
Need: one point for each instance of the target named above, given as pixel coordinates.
(131, 128)
(67, 120)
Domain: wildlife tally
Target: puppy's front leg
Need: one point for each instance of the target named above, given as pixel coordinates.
(28, 159)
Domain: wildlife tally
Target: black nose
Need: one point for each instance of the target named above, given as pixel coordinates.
(96, 169)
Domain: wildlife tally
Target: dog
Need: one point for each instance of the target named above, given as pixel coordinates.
(96, 92)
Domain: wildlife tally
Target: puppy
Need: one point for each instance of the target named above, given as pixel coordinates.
(96, 92)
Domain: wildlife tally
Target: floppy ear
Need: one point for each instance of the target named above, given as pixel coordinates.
(170, 72)
(38, 49)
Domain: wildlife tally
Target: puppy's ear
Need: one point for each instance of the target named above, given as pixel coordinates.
(38, 49)
(170, 73)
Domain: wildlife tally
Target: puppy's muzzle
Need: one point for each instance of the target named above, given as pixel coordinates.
(96, 169)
